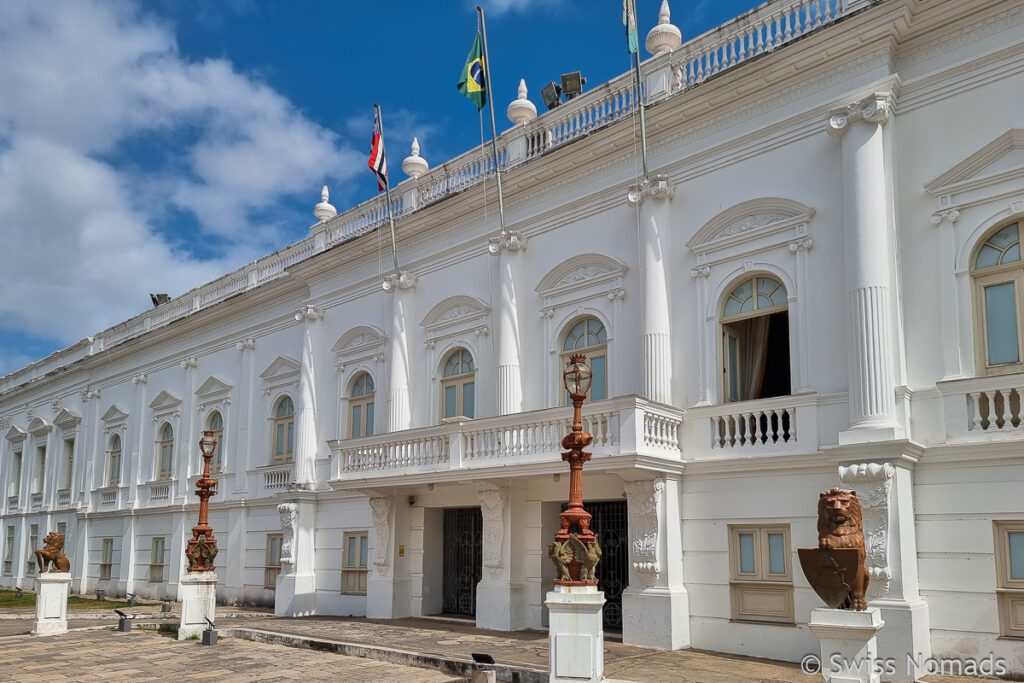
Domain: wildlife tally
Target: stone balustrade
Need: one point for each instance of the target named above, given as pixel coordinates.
(983, 408)
(36, 501)
(107, 497)
(64, 498)
(276, 478)
(12, 503)
(761, 427)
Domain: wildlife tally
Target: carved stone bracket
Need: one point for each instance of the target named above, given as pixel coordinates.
(289, 513)
(492, 507)
(645, 500)
(701, 271)
(545, 313)
(658, 186)
(951, 215)
(90, 393)
(873, 482)
(381, 508)
(616, 294)
(802, 244)
(512, 240)
(876, 108)
(309, 312)
(402, 280)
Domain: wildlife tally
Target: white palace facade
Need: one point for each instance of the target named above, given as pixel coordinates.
(820, 285)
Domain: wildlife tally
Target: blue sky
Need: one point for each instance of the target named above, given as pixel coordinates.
(152, 146)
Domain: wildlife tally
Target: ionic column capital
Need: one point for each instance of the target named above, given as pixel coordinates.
(512, 240)
(309, 312)
(658, 186)
(875, 108)
(401, 280)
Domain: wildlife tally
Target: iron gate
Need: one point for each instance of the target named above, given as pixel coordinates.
(610, 525)
(463, 559)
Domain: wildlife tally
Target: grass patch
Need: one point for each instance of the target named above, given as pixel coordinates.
(7, 600)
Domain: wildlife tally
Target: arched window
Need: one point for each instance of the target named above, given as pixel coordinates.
(215, 424)
(360, 410)
(283, 433)
(755, 340)
(165, 451)
(114, 461)
(998, 286)
(589, 337)
(458, 385)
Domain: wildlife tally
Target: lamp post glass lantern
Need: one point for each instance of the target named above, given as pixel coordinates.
(575, 551)
(202, 547)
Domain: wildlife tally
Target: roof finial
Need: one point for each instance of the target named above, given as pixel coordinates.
(664, 37)
(324, 210)
(522, 109)
(414, 165)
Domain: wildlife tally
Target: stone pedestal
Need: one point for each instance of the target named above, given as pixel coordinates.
(198, 603)
(575, 634)
(295, 595)
(849, 653)
(52, 604)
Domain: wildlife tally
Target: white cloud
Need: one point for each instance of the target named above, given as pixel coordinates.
(78, 81)
(502, 6)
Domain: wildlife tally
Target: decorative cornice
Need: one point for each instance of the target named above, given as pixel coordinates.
(403, 280)
(658, 186)
(512, 240)
(875, 108)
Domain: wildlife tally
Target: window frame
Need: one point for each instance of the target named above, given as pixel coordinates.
(270, 570)
(287, 424)
(31, 565)
(165, 445)
(114, 459)
(761, 582)
(359, 568)
(69, 462)
(1012, 272)
(726, 333)
(592, 351)
(19, 459)
(364, 401)
(1009, 591)
(217, 461)
(9, 543)
(39, 481)
(106, 559)
(459, 381)
(156, 568)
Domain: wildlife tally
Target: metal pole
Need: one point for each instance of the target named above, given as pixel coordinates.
(640, 103)
(494, 131)
(387, 192)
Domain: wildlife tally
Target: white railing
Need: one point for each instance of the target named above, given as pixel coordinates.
(278, 477)
(984, 408)
(12, 503)
(761, 30)
(108, 496)
(37, 501)
(159, 493)
(626, 425)
(764, 426)
(63, 498)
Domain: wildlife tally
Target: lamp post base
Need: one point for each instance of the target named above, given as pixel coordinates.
(575, 634)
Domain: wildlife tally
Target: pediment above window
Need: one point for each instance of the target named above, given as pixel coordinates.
(581, 272)
(214, 387)
(67, 419)
(16, 433)
(750, 220)
(165, 400)
(282, 368)
(38, 426)
(115, 414)
(992, 171)
(456, 313)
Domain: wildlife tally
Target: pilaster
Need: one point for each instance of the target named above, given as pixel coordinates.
(306, 441)
(295, 593)
(867, 235)
(655, 607)
(388, 584)
(501, 594)
(241, 452)
(401, 286)
(652, 198)
(508, 247)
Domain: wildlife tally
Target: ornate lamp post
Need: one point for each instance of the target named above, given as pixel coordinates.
(575, 551)
(202, 548)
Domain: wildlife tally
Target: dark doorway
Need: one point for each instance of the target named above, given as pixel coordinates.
(610, 525)
(463, 559)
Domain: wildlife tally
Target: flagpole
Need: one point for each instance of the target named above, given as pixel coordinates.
(494, 131)
(630, 6)
(387, 192)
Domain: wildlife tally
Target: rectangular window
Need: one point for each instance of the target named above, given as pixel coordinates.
(156, 560)
(106, 559)
(9, 551)
(369, 419)
(165, 459)
(1001, 323)
(357, 421)
(273, 566)
(1009, 547)
(15, 489)
(69, 462)
(353, 565)
(37, 486)
(30, 555)
(761, 581)
(62, 529)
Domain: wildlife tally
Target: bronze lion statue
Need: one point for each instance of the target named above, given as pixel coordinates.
(52, 554)
(840, 522)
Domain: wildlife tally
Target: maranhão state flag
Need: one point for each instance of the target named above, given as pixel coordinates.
(377, 162)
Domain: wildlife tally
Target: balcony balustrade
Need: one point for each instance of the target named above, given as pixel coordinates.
(761, 427)
(64, 498)
(983, 408)
(624, 426)
(36, 501)
(107, 498)
(12, 503)
(275, 478)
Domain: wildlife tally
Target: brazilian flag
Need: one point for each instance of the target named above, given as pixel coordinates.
(472, 83)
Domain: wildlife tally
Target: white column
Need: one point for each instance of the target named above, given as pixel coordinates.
(952, 363)
(800, 356)
(654, 201)
(188, 460)
(508, 247)
(401, 288)
(136, 458)
(885, 490)
(242, 448)
(306, 441)
(656, 606)
(867, 234)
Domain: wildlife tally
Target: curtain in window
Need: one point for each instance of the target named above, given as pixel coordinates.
(753, 352)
